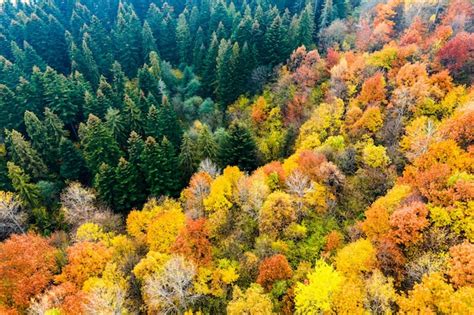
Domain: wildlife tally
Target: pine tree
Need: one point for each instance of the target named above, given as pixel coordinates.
(224, 71)
(29, 193)
(206, 145)
(183, 39)
(148, 42)
(188, 156)
(209, 68)
(129, 188)
(239, 148)
(98, 143)
(73, 167)
(105, 185)
(23, 154)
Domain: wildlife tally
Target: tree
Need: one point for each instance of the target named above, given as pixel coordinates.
(99, 145)
(27, 265)
(252, 301)
(408, 221)
(276, 214)
(23, 154)
(73, 166)
(206, 145)
(458, 57)
(193, 242)
(316, 295)
(171, 290)
(183, 39)
(461, 264)
(12, 218)
(29, 193)
(272, 269)
(239, 148)
(129, 188)
(188, 157)
(85, 260)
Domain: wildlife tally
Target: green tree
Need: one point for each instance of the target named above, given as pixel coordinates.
(73, 166)
(188, 157)
(183, 39)
(239, 148)
(98, 144)
(24, 155)
(28, 192)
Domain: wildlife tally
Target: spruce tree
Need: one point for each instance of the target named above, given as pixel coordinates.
(24, 155)
(206, 144)
(98, 143)
(188, 157)
(183, 39)
(73, 166)
(239, 148)
(28, 192)
(105, 185)
(148, 42)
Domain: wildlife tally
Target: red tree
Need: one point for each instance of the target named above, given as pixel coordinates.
(273, 269)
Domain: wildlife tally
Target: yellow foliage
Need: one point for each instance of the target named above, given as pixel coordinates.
(216, 280)
(356, 258)
(375, 156)
(324, 122)
(317, 295)
(277, 213)
(253, 302)
(93, 233)
(156, 225)
(318, 197)
(152, 264)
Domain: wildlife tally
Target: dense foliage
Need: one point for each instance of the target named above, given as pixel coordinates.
(241, 157)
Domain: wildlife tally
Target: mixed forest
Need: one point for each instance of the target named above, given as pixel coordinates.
(236, 157)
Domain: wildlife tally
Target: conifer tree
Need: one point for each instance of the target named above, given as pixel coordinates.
(239, 148)
(28, 192)
(98, 144)
(23, 154)
(148, 42)
(206, 144)
(183, 39)
(105, 185)
(73, 167)
(188, 156)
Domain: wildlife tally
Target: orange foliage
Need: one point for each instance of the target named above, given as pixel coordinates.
(333, 241)
(193, 242)
(462, 264)
(414, 34)
(430, 173)
(373, 90)
(272, 269)
(309, 163)
(390, 258)
(27, 264)
(275, 167)
(408, 221)
(85, 260)
(460, 127)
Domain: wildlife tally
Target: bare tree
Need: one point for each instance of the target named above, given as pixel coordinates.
(12, 216)
(209, 167)
(171, 291)
(79, 206)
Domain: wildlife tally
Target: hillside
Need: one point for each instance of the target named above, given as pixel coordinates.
(245, 157)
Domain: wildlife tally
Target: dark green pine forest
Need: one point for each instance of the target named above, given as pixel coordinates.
(106, 92)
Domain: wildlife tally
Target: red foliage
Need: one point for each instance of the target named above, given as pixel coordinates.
(333, 241)
(332, 58)
(458, 52)
(414, 34)
(295, 110)
(273, 269)
(27, 264)
(408, 221)
(193, 242)
(458, 14)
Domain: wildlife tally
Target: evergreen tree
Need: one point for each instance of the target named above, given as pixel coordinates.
(98, 144)
(105, 185)
(206, 144)
(239, 148)
(209, 68)
(23, 155)
(135, 148)
(127, 33)
(148, 42)
(183, 39)
(28, 192)
(73, 167)
(10, 109)
(224, 72)
(129, 188)
(188, 157)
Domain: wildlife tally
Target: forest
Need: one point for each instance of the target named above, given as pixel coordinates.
(236, 157)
